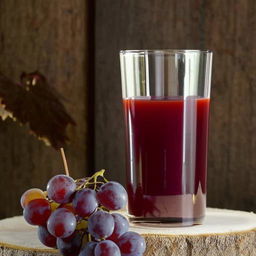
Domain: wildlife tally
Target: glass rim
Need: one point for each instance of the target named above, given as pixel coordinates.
(164, 51)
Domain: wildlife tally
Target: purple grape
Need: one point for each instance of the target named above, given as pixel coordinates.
(107, 248)
(37, 212)
(112, 195)
(70, 246)
(68, 207)
(60, 188)
(101, 224)
(45, 237)
(131, 243)
(88, 250)
(85, 202)
(62, 223)
(121, 226)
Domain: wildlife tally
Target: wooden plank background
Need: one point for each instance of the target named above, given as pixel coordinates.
(226, 27)
(49, 36)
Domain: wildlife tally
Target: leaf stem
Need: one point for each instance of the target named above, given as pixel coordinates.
(64, 161)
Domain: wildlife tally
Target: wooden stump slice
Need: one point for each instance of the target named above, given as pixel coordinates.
(19, 238)
(224, 233)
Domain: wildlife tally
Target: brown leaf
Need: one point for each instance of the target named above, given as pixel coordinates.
(35, 103)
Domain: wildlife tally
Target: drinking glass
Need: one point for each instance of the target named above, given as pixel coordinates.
(166, 98)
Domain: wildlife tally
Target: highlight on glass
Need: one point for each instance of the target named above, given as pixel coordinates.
(166, 98)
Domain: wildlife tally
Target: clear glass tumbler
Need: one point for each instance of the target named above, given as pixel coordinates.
(166, 98)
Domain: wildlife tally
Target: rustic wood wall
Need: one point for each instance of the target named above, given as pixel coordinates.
(226, 27)
(49, 36)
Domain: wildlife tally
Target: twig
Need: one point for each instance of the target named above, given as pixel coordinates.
(64, 161)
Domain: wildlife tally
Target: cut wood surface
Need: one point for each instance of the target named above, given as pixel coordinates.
(224, 232)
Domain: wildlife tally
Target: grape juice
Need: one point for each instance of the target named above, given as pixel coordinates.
(167, 158)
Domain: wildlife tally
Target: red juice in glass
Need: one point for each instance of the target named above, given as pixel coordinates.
(168, 184)
(166, 98)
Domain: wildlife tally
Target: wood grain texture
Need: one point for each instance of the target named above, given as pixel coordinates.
(224, 233)
(226, 27)
(49, 36)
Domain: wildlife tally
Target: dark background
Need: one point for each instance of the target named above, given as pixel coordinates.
(76, 44)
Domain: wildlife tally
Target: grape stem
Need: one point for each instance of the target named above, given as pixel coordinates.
(95, 176)
(64, 159)
(93, 180)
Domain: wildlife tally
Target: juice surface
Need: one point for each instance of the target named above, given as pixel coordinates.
(167, 150)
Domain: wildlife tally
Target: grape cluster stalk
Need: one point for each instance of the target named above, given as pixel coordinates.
(76, 216)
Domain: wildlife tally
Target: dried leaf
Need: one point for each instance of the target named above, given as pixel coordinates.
(3, 113)
(35, 103)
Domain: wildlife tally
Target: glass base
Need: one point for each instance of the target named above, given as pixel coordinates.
(166, 222)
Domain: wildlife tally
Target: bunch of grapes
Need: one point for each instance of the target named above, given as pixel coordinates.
(75, 217)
